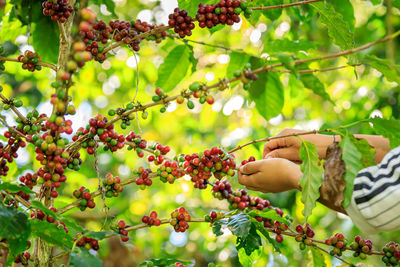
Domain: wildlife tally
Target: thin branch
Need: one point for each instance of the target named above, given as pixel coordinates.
(336, 256)
(206, 44)
(316, 70)
(14, 109)
(286, 5)
(43, 64)
(139, 36)
(266, 139)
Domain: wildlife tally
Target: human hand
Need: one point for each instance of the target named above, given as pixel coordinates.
(270, 175)
(289, 147)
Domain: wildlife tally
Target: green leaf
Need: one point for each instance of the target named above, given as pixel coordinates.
(216, 226)
(164, 262)
(236, 62)
(45, 39)
(248, 260)
(395, 3)
(277, 246)
(11, 27)
(269, 214)
(311, 82)
(389, 129)
(267, 93)
(216, 28)
(317, 257)
(12, 188)
(192, 59)
(272, 14)
(15, 228)
(287, 61)
(99, 235)
(174, 68)
(239, 225)
(51, 233)
(250, 242)
(387, 68)
(311, 179)
(346, 9)
(285, 45)
(80, 257)
(338, 29)
(367, 152)
(352, 158)
(39, 205)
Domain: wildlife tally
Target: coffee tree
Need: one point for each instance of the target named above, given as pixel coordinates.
(115, 150)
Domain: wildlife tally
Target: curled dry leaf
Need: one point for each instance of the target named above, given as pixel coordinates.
(333, 185)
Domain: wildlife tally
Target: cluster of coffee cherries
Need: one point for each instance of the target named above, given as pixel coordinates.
(392, 254)
(201, 92)
(361, 247)
(338, 242)
(224, 12)
(7, 200)
(181, 22)
(214, 216)
(179, 264)
(86, 198)
(9, 152)
(121, 229)
(160, 96)
(305, 235)
(40, 215)
(50, 152)
(212, 161)
(246, 75)
(30, 180)
(79, 56)
(125, 119)
(151, 219)
(112, 186)
(30, 61)
(169, 172)
(137, 143)
(59, 10)
(29, 127)
(98, 127)
(57, 122)
(87, 243)
(179, 219)
(144, 178)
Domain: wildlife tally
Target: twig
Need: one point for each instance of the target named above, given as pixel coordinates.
(139, 36)
(336, 256)
(14, 109)
(286, 5)
(316, 70)
(206, 44)
(43, 64)
(277, 137)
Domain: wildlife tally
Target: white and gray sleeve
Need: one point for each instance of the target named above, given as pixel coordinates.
(375, 203)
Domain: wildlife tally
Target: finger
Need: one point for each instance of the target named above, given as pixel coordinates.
(273, 144)
(284, 153)
(251, 167)
(255, 188)
(247, 180)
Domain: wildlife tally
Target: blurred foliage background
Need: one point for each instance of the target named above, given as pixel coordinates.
(357, 94)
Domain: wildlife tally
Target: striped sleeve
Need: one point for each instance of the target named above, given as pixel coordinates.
(375, 203)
